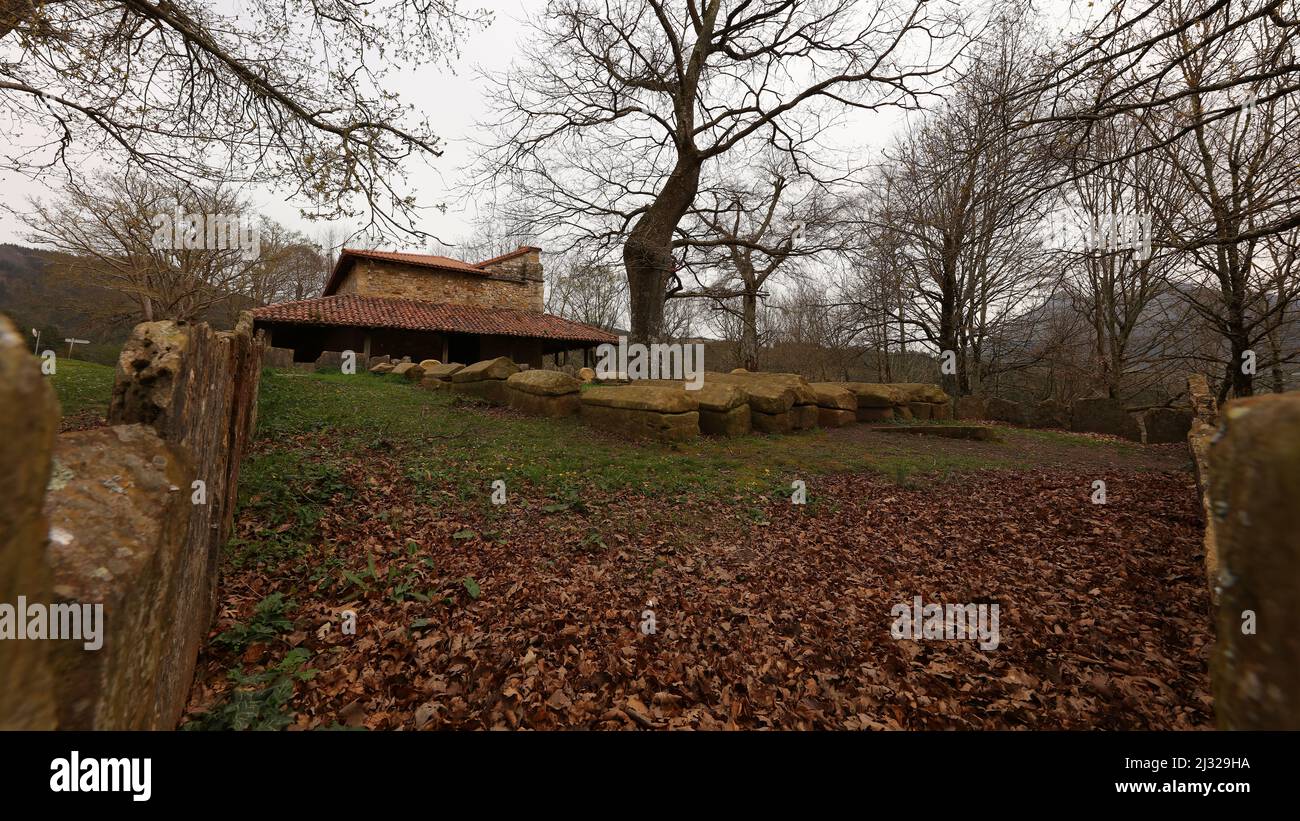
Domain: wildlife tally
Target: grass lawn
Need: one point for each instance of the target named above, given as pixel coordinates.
(84, 390)
(368, 495)
(459, 443)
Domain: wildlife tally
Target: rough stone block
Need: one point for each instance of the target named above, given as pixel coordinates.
(119, 508)
(1050, 414)
(763, 396)
(404, 368)
(941, 410)
(493, 391)
(656, 398)
(920, 392)
(771, 422)
(834, 418)
(443, 372)
(1004, 410)
(537, 404)
(803, 392)
(733, 422)
(875, 414)
(803, 417)
(1104, 415)
(834, 395)
(920, 410)
(28, 424)
(1198, 441)
(500, 368)
(717, 397)
(874, 394)
(1254, 484)
(971, 407)
(198, 389)
(1165, 425)
(1202, 401)
(280, 358)
(544, 383)
(669, 427)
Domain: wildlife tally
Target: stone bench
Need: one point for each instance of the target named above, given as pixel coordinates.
(543, 393)
(658, 411)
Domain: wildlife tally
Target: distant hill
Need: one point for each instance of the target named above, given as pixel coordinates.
(33, 296)
(59, 308)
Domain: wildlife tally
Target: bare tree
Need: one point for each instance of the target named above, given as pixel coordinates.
(962, 212)
(1234, 175)
(743, 233)
(109, 227)
(609, 120)
(177, 251)
(1151, 47)
(287, 92)
(586, 290)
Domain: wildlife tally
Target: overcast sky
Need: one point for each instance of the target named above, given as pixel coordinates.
(454, 101)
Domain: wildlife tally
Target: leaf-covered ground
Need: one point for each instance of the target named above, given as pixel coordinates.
(374, 497)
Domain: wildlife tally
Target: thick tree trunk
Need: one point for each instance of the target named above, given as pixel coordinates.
(648, 252)
(749, 332)
(1243, 384)
(1275, 351)
(947, 316)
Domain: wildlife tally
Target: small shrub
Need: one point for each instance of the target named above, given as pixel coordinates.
(259, 701)
(269, 620)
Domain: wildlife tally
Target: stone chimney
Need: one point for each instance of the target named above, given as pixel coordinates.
(524, 265)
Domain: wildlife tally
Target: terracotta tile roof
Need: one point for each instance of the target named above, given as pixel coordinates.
(348, 255)
(418, 315)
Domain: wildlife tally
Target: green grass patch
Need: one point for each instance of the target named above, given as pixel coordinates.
(289, 490)
(1061, 437)
(82, 386)
(452, 449)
